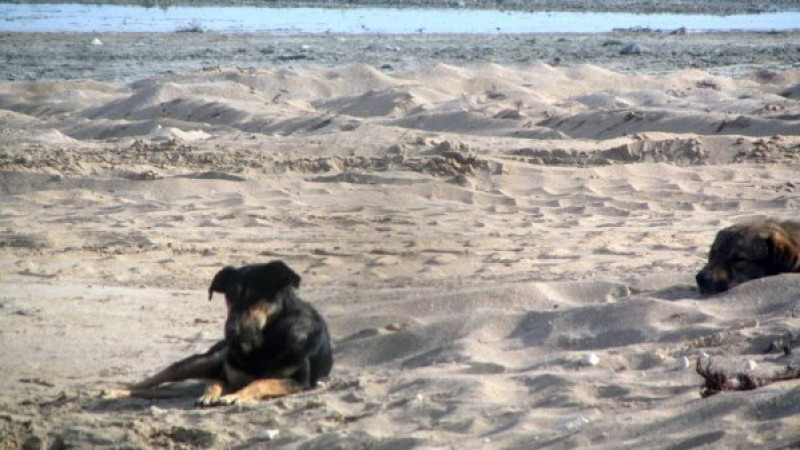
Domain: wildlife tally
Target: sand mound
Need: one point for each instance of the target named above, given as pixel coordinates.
(542, 102)
(371, 104)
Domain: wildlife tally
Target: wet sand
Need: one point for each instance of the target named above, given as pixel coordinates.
(131, 56)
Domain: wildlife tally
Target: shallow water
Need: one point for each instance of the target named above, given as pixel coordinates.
(108, 18)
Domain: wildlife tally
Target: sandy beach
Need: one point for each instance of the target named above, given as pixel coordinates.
(501, 231)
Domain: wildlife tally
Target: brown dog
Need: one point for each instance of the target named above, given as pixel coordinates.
(748, 251)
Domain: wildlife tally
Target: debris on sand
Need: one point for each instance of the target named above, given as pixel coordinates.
(633, 49)
(716, 381)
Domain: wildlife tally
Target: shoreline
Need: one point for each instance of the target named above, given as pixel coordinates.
(729, 7)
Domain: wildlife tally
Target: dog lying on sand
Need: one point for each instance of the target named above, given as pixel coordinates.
(748, 251)
(275, 343)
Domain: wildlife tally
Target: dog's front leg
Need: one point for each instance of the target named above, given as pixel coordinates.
(212, 394)
(260, 390)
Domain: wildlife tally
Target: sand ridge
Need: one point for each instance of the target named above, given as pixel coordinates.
(505, 255)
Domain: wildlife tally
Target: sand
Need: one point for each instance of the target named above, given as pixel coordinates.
(505, 251)
(129, 57)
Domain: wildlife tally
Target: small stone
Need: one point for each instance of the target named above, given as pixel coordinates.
(269, 434)
(444, 146)
(591, 359)
(572, 424)
(396, 149)
(397, 326)
(33, 443)
(751, 365)
(632, 49)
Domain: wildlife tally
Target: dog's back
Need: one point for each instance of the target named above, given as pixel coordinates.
(321, 359)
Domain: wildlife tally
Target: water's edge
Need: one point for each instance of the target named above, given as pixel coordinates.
(71, 17)
(710, 7)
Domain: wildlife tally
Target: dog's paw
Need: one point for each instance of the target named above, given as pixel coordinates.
(110, 394)
(225, 400)
(207, 400)
(228, 400)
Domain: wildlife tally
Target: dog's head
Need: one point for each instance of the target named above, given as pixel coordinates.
(745, 252)
(253, 294)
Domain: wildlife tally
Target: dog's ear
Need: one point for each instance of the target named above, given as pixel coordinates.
(285, 276)
(783, 253)
(221, 280)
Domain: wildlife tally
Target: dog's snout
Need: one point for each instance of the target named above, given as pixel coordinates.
(703, 279)
(708, 283)
(244, 329)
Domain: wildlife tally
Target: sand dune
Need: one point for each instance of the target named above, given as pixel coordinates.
(505, 255)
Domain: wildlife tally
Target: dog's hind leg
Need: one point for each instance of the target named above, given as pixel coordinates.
(196, 366)
(206, 366)
(159, 392)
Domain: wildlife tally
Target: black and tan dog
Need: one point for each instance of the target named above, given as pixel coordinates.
(748, 251)
(275, 343)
